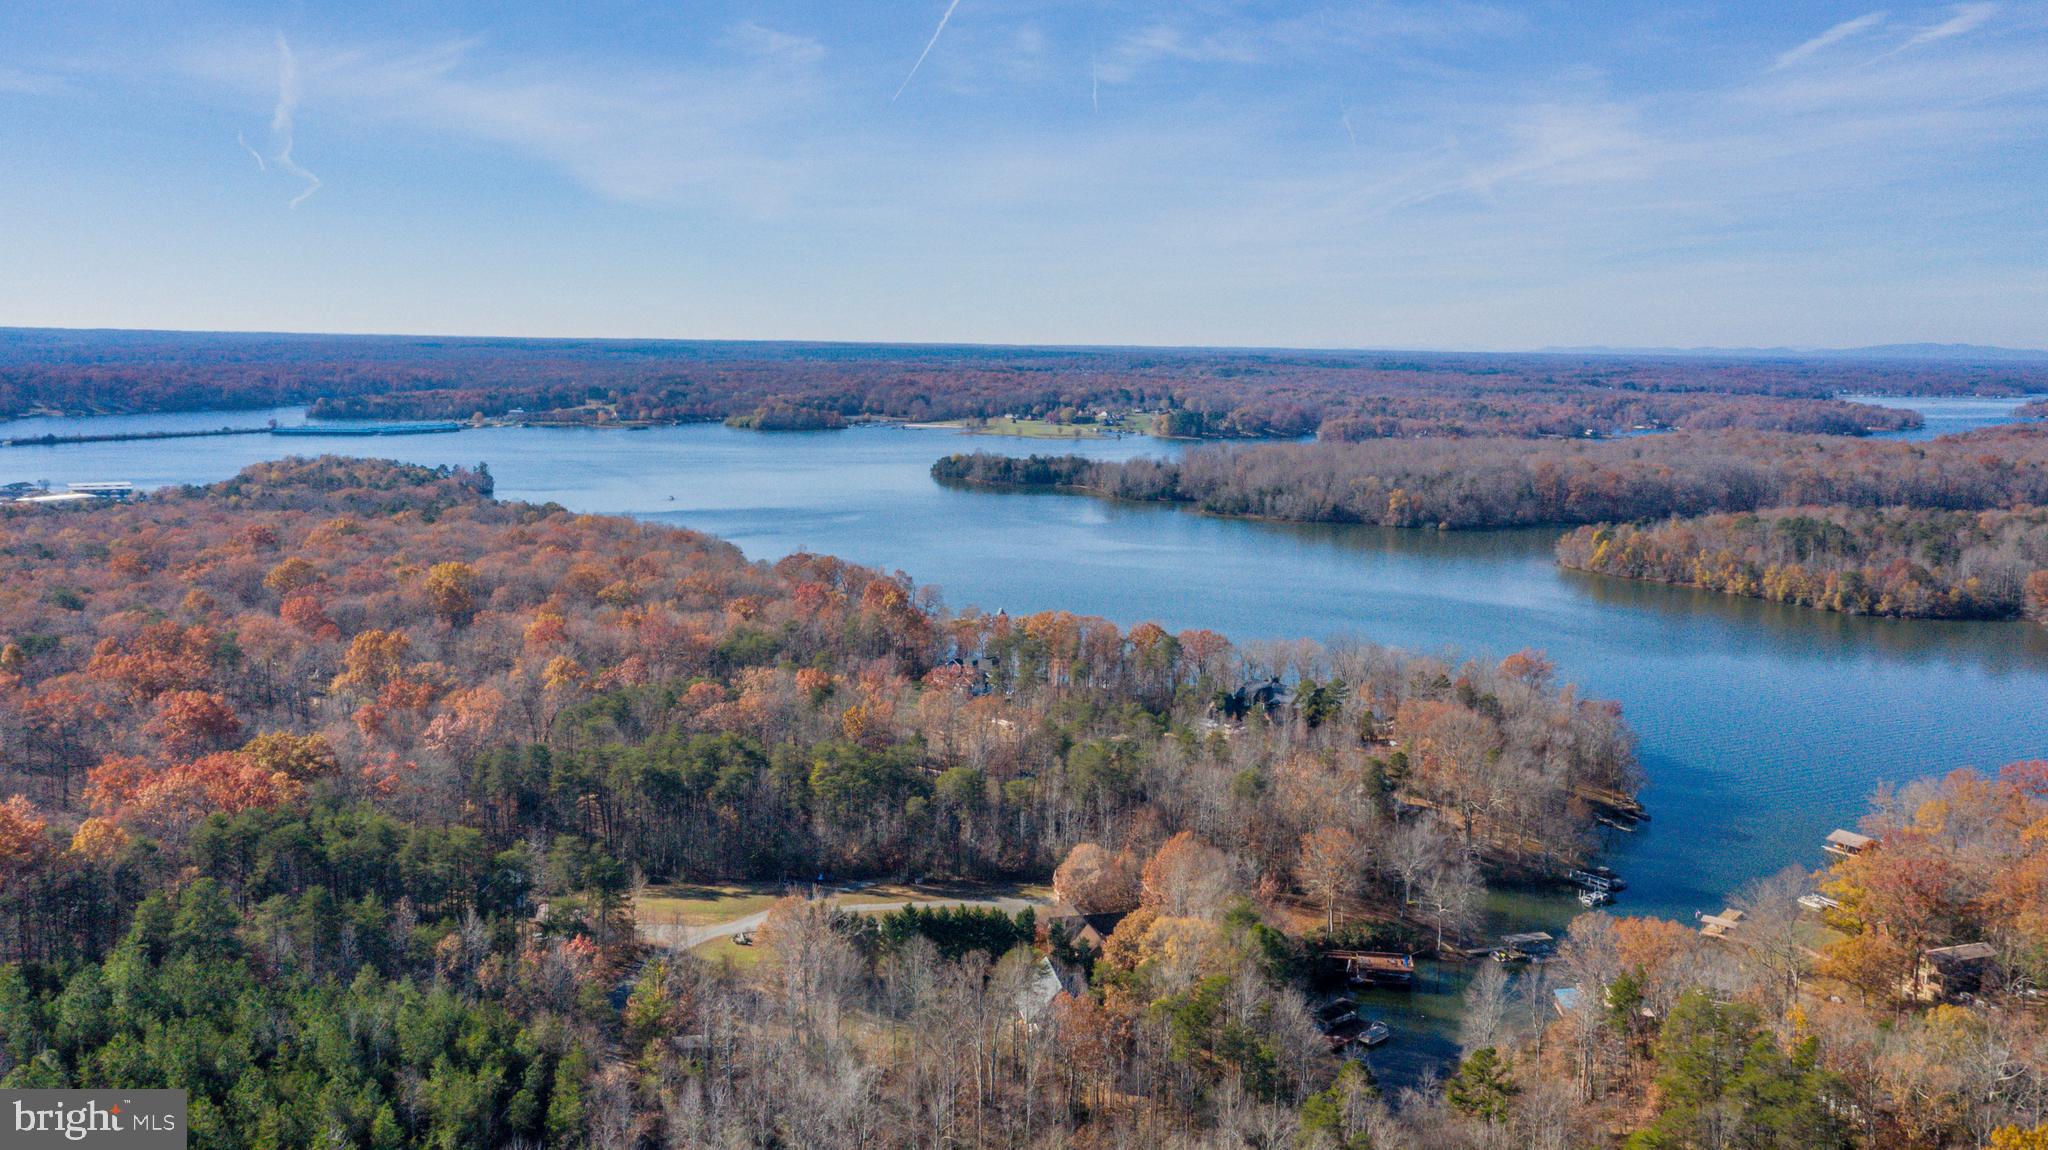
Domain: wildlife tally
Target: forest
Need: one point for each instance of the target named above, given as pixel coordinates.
(1887, 561)
(1486, 483)
(1341, 396)
(333, 791)
(1947, 528)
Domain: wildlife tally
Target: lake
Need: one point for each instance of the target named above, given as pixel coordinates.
(1762, 726)
(1947, 415)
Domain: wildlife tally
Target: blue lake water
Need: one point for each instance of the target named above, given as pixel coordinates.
(1946, 416)
(1761, 726)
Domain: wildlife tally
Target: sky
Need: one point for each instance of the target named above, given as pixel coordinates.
(1362, 174)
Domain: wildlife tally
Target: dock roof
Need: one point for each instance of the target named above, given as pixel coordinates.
(1962, 952)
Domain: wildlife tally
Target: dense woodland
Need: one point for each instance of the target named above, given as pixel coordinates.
(1889, 561)
(332, 789)
(333, 786)
(1343, 396)
(1521, 483)
(1946, 528)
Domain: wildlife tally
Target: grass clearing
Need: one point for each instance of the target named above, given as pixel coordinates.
(724, 949)
(701, 904)
(1045, 429)
(706, 904)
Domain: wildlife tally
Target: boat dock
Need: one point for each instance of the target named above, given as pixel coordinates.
(348, 430)
(368, 429)
(1721, 925)
(127, 436)
(1842, 844)
(1377, 967)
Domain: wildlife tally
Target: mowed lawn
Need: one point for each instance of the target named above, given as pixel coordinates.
(707, 904)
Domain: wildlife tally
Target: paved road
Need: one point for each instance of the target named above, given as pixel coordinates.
(687, 937)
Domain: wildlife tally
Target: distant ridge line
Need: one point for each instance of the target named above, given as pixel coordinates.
(1925, 352)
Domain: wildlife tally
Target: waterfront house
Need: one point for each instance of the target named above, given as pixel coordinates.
(1945, 972)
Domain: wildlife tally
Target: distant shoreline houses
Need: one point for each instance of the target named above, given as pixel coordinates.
(113, 492)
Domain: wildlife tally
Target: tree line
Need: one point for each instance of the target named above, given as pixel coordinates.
(1342, 396)
(1521, 483)
(1896, 561)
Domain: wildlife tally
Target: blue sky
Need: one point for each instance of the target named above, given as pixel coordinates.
(1460, 175)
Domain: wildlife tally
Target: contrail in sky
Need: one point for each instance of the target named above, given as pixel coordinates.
(281, 118)
(927, 50)
(1345, 119)
(261, 166)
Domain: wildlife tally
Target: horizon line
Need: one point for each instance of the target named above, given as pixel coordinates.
(1616, 350)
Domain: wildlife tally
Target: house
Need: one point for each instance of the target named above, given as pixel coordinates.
(1842, 844)
(1089, 930)
(1949, 971)
(115, 490)
(1049, 980)
(60, 497)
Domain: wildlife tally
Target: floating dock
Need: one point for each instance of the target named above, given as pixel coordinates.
(368, 429)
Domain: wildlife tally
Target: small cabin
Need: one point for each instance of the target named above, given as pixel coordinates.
(1842, 844)
(1948, 971)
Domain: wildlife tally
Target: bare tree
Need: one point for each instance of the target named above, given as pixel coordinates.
(1488, 1001)
(1413, 850)
(1329, 867)
(1772, 934)
(1452, 895)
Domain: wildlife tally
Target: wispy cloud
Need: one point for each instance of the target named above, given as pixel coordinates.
(730, 123)
(1830, 38)
(1187, 37)
(282, 132)
(1963, 18)
(261, 164)
(27, 83)
(936, 32)
(766, 43)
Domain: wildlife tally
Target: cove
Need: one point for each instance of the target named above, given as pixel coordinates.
(1761, 726)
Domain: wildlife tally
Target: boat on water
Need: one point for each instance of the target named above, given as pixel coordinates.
(1594, 898)
(1598, 878)
(1376, 1033)
(1336, 1013)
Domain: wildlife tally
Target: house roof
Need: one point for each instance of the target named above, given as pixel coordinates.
(1961, 952)
(1046, 985)
(1849, 839)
